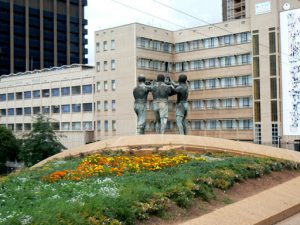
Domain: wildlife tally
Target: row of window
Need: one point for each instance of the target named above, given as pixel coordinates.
(28, 111)
(226, 82)
(105, 105)
(231, 124)
(213, 42)
(46, 93)
(106, 125)
(105, 65)
(105, 46)
(228, 103)
(105, 85)
(225, 61)
(154, 44)
(193, 45)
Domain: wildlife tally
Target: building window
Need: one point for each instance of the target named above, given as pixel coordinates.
(45, 109)
(27, 111)
(11, 126)
(65, 91)
(198, 104)
(87, 107)
(3, 97)
(19, 111)
(76, 126)
(245, 124)
(212, 125)
(11, 111)
(105, 66)
(212, 62)
(112, 45)
(65, 108)
(105, 46)
(98, 66)
(27, 126)
(19, 95)
(273, 88)
(273, 70)
(97, 47)
(19, 127)
(275, 136)
(46, 93)
(76, 107)
(87, 125)
(113, 85)
(65, 126)
(3, 112)
(36, 94)
(229, 124)
(113, 64)
(256, 89)
(105, 86)
(272, 42)
(211, 83)
(106, 125)
(246, 59)
(105, 105)
(98, 86)
(55, 92)
(11, 96)
(98, 106)
(212, 104)
(245, 102)
(274, 113)
(198, 125)
(228, 103)
(113, 105)
(55, 126)
(55, 109)
(255, 44)
(87, 89)
(36, 110)
(99, 125)
(257, 115)
(76, 90)
(113, 125)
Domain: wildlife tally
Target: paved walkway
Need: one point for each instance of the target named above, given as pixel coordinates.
(294, 220)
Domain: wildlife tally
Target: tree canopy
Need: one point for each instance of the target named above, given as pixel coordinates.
(41, 143)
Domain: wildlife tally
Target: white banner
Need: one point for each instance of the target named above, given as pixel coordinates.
(290, 76)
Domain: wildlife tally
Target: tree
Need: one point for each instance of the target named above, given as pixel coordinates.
(9, 147)
(41, 142)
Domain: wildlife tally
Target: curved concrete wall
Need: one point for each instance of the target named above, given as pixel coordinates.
(189, 142)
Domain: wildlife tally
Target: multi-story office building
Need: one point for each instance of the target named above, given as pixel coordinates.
(36, 34)
(234, 9)
(234, 69)
(63, 93)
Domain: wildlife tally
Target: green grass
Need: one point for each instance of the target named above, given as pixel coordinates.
(26, 199)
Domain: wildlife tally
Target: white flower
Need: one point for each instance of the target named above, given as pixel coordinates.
(26, 220)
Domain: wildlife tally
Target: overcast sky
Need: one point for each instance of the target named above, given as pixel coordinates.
(102, 14)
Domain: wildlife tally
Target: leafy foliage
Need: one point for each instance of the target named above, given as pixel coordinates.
(110, 199)
(41, 142)
(9, 147)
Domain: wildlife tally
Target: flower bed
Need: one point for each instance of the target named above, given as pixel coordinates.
(122, 188)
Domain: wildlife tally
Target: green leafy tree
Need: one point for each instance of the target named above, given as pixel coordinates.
(9, 147)
(41, 143)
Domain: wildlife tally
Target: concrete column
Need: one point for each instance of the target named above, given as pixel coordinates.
(28, 60)
(11, 14)
(68, 34)
(41, 34)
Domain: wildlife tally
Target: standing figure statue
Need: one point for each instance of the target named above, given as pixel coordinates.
(140, 94)
(182, 106)
(161, 91)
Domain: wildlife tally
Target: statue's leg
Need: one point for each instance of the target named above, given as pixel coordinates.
(143, 119)
(163, 124)
(180, 125)
(185, 127)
